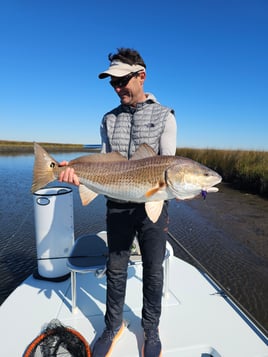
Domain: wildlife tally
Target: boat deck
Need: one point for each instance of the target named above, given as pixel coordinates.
(196, 320)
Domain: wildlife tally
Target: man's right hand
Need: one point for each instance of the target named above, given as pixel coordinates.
(68, 175)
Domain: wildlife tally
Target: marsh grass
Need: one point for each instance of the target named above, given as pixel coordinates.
(244, 170)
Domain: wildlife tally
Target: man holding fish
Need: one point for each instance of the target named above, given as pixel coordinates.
(137, 120)
(138, 173)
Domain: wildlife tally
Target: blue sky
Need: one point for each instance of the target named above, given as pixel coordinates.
(207, 59)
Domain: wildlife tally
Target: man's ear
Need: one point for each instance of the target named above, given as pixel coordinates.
(142, 76)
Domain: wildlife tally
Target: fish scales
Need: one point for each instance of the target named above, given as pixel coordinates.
(141, 171)
(132, 178)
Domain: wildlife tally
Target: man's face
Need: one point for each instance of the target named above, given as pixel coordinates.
(129, 88)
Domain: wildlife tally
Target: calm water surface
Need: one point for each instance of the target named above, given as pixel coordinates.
(227, 233)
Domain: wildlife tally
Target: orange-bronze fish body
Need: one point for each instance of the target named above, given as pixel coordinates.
(146, 177)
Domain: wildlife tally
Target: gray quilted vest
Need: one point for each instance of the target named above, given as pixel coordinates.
(129, 127)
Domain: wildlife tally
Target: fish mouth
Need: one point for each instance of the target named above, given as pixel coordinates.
(211, 189)
(205, 191)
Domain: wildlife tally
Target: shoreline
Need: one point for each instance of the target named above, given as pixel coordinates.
(17, 147)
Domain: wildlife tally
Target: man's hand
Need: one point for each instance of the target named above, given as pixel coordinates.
(68, 175)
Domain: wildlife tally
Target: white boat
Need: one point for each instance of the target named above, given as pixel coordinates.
(198, 319)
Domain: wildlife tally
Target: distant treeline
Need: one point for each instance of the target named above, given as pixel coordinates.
(244, 170)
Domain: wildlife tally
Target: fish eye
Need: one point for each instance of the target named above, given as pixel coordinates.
(52, 165)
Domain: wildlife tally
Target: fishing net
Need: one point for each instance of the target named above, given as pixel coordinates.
(58, 340)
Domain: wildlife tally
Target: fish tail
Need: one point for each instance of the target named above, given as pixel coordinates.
(44, 168)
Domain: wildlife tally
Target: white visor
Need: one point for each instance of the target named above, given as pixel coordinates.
(121, 69)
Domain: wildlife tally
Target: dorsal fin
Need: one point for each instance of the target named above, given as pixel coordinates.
(143, 151)
(110, 157)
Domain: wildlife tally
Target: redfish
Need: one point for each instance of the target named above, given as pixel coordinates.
(146, 177)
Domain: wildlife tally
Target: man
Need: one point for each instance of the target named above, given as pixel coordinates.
(138, 119)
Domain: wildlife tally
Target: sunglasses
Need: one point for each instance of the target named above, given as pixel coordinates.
(123, 81)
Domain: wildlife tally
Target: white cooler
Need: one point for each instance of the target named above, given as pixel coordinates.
(54, 229)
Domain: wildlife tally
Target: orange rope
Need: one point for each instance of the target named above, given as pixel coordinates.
(41, 337)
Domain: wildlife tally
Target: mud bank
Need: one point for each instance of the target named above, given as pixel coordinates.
(228, 234)
(243, 216)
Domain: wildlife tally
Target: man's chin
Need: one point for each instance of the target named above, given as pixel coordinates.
(125, 100)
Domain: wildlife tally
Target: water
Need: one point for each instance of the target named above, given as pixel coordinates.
(227, 233)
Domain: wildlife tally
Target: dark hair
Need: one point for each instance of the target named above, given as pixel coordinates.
(127, 55)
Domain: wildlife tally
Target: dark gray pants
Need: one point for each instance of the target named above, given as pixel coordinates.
(124, 220)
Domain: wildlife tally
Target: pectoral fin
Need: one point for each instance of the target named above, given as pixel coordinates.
(151, 192)
(154, 209)
(160, 186)
(86, 195)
